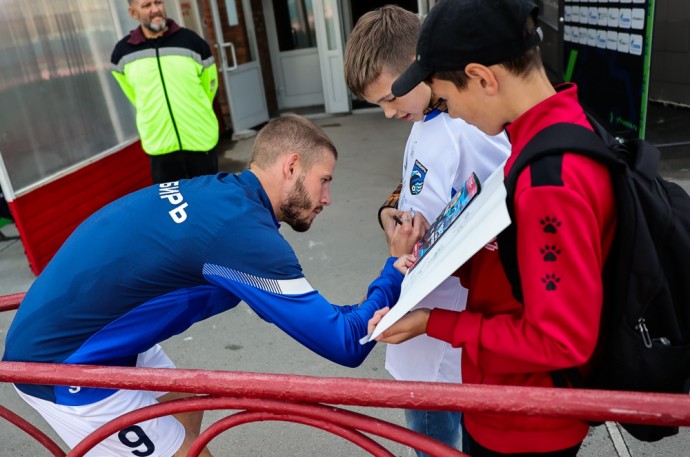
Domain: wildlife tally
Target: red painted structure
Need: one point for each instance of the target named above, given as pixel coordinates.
(303, 399)
(46, 216)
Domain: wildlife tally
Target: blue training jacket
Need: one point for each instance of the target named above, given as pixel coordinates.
(149, 265)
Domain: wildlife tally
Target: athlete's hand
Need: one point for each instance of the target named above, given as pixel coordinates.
(388, 222)
(373, 322)
(407, 233)
(404, 263)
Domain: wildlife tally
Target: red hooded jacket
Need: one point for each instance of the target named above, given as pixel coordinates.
(565, 224)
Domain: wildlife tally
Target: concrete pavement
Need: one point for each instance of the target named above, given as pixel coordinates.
(340, 255)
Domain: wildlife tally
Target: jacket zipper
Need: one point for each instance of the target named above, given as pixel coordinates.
(165, 92)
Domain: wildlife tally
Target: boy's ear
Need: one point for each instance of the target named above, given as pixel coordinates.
(483, 76)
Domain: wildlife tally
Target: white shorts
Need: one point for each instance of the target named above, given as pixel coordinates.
(160, 437)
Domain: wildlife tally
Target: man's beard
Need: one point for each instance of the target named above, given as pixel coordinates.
(156, 27)
(297, 202)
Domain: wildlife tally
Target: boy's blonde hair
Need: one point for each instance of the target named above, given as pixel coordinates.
(383, 39)
(291, 134)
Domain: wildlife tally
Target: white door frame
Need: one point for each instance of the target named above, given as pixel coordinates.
(243, 83)
(336, 94)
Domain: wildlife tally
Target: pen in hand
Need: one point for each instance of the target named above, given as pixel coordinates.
(397, 220)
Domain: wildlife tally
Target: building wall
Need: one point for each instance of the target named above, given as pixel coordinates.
(670, 61)
(670, 66)
(264, 56)
(552, 45)
(59, 104)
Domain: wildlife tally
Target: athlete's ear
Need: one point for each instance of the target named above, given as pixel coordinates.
(483, 76)
(291, 165)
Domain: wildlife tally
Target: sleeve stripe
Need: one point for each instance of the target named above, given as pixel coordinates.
(295, 286)
(162, 52)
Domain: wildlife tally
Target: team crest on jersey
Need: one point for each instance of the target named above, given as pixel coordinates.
(417, 178)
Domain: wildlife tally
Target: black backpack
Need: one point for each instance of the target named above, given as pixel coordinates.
(644, 340)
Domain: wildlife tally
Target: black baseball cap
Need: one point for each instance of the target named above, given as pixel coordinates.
(459, 32)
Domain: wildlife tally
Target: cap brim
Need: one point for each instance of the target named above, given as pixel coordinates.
(409, 79)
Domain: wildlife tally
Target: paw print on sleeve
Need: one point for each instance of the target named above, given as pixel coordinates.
(550, 253)
(550, 280)
(550, 224)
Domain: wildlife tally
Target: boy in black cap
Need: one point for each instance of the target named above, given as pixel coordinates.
(482, 57)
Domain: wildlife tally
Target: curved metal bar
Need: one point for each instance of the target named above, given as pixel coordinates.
(339, 417)
(32, 431)
(355, 437)
(596, 405)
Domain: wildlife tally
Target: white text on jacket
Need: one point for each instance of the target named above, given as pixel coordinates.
(171, 191)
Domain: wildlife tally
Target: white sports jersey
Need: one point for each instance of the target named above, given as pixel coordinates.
(440, 154)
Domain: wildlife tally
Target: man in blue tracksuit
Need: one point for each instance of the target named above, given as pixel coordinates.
(148, 266)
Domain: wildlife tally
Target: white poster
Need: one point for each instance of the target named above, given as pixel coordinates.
(483, 219)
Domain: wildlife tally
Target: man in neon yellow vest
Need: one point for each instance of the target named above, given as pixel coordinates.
(169, 75)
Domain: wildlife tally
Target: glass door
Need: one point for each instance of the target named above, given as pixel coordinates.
(239, 65)
(294, 55)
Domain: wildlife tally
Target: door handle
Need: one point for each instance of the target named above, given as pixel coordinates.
(232, 52)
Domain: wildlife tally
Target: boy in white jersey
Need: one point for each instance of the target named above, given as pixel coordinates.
(439, 156)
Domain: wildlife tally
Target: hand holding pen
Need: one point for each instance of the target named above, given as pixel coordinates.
(408, 230)
(399, 221)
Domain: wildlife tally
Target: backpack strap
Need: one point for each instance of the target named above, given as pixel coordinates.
(552, 141)
(639, 155)
(557, 139)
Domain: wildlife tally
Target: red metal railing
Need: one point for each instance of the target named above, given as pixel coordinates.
(303, 399)
(10, 302)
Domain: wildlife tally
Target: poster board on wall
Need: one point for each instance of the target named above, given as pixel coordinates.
(607, 50)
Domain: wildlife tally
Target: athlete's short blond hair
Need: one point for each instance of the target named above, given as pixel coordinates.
(291, 134)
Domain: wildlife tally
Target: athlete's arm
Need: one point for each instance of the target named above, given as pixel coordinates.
(330, 330)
